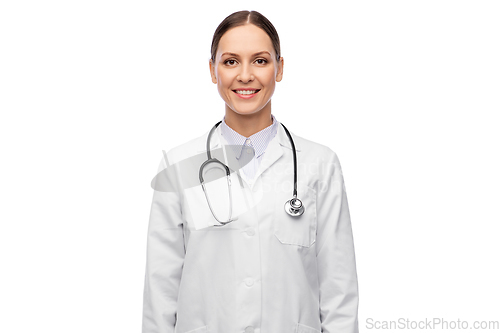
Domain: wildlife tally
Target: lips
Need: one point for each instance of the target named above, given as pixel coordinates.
(246, 93)
(247, 90)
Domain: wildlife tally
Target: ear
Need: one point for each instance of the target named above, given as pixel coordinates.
(279, 75)
(212, 71)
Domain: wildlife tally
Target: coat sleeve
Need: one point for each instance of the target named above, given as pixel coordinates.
(164, 260)
(335, 252)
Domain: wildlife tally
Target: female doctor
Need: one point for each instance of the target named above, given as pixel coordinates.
(267, 246)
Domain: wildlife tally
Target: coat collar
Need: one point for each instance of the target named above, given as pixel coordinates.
(277, 146)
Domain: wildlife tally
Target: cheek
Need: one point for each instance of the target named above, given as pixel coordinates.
(269, 78)
(224, 81)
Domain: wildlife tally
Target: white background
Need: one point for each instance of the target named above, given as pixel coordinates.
(406, 93)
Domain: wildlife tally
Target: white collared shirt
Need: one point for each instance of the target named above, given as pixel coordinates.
(257, 142)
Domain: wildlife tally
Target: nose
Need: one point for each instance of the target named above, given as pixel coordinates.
(245, 74)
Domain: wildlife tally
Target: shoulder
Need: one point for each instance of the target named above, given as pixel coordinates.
(186, 149)
(313, 150)
(319, 158)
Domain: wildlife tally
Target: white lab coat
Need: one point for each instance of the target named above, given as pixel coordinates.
(266, 272)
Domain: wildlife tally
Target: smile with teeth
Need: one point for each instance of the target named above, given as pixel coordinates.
(246, 92)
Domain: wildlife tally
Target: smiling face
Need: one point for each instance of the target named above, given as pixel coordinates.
(246, 70)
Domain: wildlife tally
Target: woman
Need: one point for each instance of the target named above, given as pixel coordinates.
(258, 268)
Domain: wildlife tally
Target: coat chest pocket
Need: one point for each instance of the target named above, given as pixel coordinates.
(305, 329)
(203, 329)
(296, 230)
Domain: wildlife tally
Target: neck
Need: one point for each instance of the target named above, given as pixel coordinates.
(249, 124)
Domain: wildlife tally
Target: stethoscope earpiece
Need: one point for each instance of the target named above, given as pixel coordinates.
(294, 207)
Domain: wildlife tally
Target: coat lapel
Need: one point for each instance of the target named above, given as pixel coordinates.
(278, 145)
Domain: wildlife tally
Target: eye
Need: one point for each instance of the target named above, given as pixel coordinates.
(261, 63)
(226, 62)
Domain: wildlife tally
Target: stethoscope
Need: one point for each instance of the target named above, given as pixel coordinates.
(293, 207)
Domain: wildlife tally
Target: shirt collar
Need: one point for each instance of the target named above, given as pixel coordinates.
(258, 141)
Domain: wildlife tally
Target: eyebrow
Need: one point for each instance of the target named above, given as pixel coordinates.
(253, 55)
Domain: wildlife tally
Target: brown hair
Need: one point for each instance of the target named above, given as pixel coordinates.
(241, 18)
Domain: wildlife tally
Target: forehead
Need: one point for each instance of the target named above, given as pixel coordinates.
(245, 40)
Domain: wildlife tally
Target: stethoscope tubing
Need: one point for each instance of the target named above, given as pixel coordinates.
(293, 207)
(294, 162)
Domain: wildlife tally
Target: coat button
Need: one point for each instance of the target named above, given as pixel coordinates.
(249, 283)
(250, 232)
(249, 329)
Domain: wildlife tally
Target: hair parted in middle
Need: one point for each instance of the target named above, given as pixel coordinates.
(241, 18)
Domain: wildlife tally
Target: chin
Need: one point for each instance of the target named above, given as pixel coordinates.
(245, 112)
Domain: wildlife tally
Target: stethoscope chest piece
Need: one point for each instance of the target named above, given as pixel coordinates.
(294, 207)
